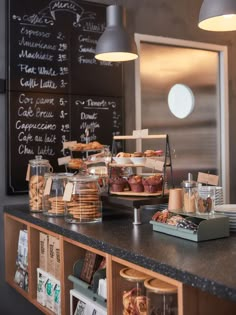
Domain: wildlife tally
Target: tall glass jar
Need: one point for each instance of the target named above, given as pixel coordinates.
(162, 297)
(83, 202)
(37, 168)
(134, 297)
(54, 187)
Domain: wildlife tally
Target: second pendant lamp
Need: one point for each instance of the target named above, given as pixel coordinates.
(115, 44)
(218, 15)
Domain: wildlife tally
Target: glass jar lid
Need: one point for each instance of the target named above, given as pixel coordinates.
(83, 178)
(159, 286)
(38, 161)
(132, 275)
(56, 176)
(189, 183)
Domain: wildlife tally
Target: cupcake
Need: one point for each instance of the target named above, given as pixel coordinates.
(118, 184)
(153, 184)
(135, 183)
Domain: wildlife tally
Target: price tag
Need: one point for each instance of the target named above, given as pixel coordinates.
(208, 179)
(67, 144)
(48, 186)
(155, 164)
(140, 133)
(68, 192)
(64, 160)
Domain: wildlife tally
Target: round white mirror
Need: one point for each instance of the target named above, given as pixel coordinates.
(181, 101)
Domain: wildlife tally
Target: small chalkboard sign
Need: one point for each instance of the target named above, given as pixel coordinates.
(101, 116)
(56, 88)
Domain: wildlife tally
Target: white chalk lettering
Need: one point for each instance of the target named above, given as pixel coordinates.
(23, 149)
(28, 113)
(85, 116)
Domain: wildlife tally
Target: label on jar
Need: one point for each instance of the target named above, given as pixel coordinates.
(208, 179)
(27, 173)
(48, 186)
(68, 192)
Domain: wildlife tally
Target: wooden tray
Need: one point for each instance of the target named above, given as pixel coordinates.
(138, 194)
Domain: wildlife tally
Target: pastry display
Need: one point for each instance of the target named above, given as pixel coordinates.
(93, 145)
(123, 154)
(76, 163)
(153, 183)
(135, 183)
(137, 154)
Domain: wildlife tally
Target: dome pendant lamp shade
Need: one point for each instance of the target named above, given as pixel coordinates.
(218, 15)
(115, 44)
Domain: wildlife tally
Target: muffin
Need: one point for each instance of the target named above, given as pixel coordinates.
(135, 183)
(118, 184)
(153, 184)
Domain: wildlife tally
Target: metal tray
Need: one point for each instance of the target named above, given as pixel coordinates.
(212, 227)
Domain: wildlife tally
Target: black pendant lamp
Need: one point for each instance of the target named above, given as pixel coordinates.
(115, 44)
(218, 15)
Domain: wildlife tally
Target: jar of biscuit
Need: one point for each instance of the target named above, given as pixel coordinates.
(82, 197)
(37, 168)
(189, 187)
(134, 296)
(54, 187)
(162, 297)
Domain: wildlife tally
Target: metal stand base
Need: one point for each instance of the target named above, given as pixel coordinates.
(137, 216)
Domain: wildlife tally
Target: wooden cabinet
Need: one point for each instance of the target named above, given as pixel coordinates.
(70, 252)
(190, 300)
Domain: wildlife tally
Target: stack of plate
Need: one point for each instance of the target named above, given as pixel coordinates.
(229, 211)
(219, 197)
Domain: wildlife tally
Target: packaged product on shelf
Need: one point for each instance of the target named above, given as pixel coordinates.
(85, 305)
(102, 288)
(22, 251)
(21, 274)
(91, 264)
(43, 251)
(57, 297)
(51, 254)
(57, 262)
(42, 278)
(50, 285)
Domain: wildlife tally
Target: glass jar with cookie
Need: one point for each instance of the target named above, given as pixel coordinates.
(37, 168)
(82, 197)
(54, 187)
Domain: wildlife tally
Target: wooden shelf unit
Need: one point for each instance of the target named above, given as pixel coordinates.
(71, 251)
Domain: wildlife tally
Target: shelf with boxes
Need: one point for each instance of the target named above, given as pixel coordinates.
(76, 244)
(59, 280)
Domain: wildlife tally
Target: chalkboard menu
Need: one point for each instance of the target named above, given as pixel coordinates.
(56, 88)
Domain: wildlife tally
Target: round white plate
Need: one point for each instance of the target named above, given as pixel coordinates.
(226, 208)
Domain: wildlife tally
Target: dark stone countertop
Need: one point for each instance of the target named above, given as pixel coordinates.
(209, 266)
